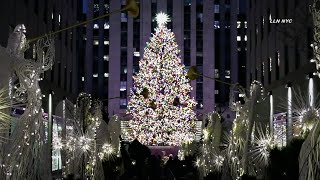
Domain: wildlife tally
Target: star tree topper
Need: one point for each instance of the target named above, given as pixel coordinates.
(162, 19)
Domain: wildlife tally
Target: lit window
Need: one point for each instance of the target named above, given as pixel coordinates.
(95, 42)
(278, 58)
(51, 15)
(82, 79)
(125, 70)
(106, 42)
(238, 38)
(123, 102)
(96, 7)
(239, 48)
(216, 91)
(34, 54)
(245, 38)
(216, 8)
(216, 73)
(106, 57)
(216, 24)
(228, 74)
(95, 75)
(106, 26)
(95, 26)
(241, 95)
(270, 64)
(59, 18)
(263, 68)
(245, 24)
(106, 74)
(136, 54)
(123, 85)
(124, 17)
(238, 24)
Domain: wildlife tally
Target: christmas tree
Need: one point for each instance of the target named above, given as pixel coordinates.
(160, 105)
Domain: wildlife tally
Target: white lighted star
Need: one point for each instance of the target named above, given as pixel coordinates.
(162, 18)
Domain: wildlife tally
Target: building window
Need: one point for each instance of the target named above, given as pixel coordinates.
(228, 74)
(238, 24)
(106, 57)
(286, 59)
(124, 17)
(238, 38)
(136, 54)
(216, 73)
(216, 24)
(123, 85)
(217, 8)
(297, 55)
(216, 91)
(123, 103)
(270, 64)
(269, 16)
(106, 25)
(277, 65)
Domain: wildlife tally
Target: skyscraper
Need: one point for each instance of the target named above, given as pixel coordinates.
(279, 38)
(41, 17)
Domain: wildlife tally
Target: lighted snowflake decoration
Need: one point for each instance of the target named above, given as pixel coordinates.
(107, 151)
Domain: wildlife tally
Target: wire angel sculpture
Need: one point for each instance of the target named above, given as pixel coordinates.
(211, 158)
(27, 156)
(86, 144)
(238, 141)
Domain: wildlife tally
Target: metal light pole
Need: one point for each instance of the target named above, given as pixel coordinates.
(50, 123)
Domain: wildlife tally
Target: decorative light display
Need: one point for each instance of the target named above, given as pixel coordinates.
(309, 153)
(181, 155)
(280, 129)
(27, 154)
(303, 115)
(107, 151)
(56, 141)
(4, 105)
(315, 11)
(160, 104)
(211, 158)
(262, 145)
(82, 140)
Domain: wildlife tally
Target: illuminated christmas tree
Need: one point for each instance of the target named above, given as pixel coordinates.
(160, 104)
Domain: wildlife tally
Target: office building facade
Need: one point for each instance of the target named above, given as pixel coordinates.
(279, 38)
(41, 17)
